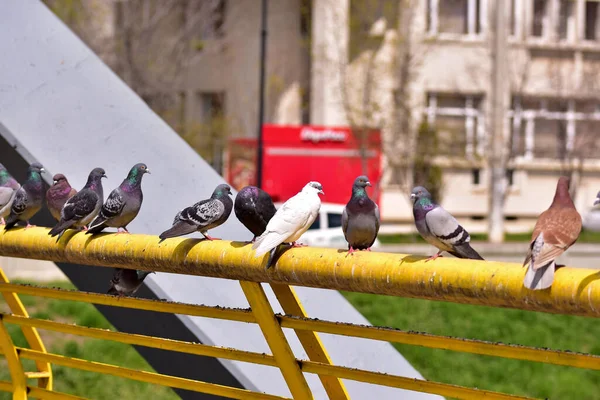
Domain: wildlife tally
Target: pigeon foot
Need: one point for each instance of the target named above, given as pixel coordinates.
(29, 225)
(436, 255)
(123, 231)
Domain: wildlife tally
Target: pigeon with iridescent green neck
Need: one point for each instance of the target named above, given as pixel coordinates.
(360, 219)
(28, 199)
(125, 282)
(82, 208)
(123, 204)
(8, 189)
(439, 228)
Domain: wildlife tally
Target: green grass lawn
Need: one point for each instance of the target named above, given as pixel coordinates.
(86, 384)
(493, 324)
(411, 238)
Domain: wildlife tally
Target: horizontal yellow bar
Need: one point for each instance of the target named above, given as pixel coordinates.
(575, 291)
(578, 360)
(417, 385)
(39, 393)
(6, 386)
(37, 375)
(231, 314)
(145, 376)
(143, 340)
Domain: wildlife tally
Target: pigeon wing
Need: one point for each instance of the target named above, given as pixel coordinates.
(446, 228)
(80, 205)
(19, 205)
(6, 193)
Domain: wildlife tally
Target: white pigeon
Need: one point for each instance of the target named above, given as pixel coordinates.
(291, 220)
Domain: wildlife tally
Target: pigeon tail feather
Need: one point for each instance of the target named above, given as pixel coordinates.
(539, 279)
(96, 228)
(178, 229)
(465, 251)
(11, 221)
(267, 242)
(61, 227)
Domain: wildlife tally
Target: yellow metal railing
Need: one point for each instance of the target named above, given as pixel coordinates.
(575, 292)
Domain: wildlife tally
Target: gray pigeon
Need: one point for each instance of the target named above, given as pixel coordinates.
(82, 208)
(597, 201)
(439, 228)
(254, 208)
(29, 198)
(123, 203)
(125, 282)
(202, 216)
(360, 219)
(8, 189)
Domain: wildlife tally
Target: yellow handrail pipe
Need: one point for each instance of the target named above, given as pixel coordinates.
(575, 291)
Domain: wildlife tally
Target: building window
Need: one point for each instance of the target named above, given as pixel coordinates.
(554, 128)
(541, 18)
(459, 123)
(591, 20)
(476, 176)
(510, 177)
(456, 17)
(566, 20)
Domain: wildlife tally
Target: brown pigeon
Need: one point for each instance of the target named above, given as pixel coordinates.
(556, 230)
(58, 194)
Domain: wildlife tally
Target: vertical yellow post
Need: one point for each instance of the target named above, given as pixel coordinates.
(269, 325)
(31, 334)
(15, 368)
(310, 340)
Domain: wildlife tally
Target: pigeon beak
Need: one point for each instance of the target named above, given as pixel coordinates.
(55, 182)
(147, 171)
(322, 192)
(597, 201)
(368, 183)
(104, 176)
(413, 196)
(42, 169)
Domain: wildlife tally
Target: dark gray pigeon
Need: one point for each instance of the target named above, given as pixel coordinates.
(125, 282)
(439, 228)
(202, 216)
(123, 203)
(82, 208)
(29, 198)
(58, 194)
(8, 190)
(360, 219)
(254, 208)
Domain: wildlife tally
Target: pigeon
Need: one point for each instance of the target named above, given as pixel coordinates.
(360, 218)
(29, 198)
(254, 208)
(58, 194)
(123, 203)
(439, 228)
(202, 216)
(291, 220)
(125, 282)
(82, 208)
(555, 231)
(8, 189)
(596, 202)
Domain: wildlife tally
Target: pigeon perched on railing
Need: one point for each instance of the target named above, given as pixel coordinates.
(8, 189)
(439, 228)
(29, 198)
(123, 204)
(58, 194)
(555, 231)
(291, 220)
(202, 216)
(254, 208)
(125, 282)
(360, 219)
(82, 208)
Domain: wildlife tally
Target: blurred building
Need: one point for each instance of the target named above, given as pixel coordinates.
(386, 64)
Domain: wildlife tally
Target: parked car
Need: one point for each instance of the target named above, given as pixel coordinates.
(326, 231)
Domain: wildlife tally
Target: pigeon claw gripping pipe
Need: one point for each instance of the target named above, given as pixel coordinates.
(439, 228)
(360, 218)
(202, 216)
(292, 219)
(555, 231)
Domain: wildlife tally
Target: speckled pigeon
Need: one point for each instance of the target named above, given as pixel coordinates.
(58, 194)
(291, 220)
(360, 219)
(82, 208)
(202, 216)
(123, 204)
(125, 282)
(555, 231)
(439, 228)
(254, 208)
(29, 198)
(8, 189)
